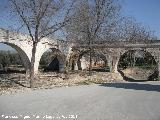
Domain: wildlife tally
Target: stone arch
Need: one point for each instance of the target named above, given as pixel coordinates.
(144, 51)
(139, 49)
(80, 65)
(60, 57)
(123, 51)
(22, 54)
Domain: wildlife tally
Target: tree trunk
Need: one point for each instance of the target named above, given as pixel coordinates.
(90, 61)
(32, 72)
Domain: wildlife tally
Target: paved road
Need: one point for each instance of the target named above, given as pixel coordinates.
(121, 101)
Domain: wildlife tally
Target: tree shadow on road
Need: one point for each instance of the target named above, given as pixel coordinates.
(134, 86)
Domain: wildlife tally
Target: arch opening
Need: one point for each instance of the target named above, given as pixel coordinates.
(52, 61)
(138, 65)
(99, 62)
(13, 59)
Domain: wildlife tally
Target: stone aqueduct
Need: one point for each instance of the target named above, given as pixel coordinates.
(111, 50)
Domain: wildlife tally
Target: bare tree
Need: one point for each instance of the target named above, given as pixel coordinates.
(130, 30)
(40, 18)
(91, 20)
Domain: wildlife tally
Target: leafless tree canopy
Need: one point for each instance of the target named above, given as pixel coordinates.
(92, 20)
(41, 17)
(101, 20)
(128, 29)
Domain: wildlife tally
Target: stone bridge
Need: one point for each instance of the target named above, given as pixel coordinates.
(113, 50)
(23, 45)
(70, 54)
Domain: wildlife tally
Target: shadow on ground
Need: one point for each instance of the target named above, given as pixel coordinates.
(134, 86)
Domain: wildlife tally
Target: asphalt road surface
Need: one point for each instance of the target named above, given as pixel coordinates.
(118, 101)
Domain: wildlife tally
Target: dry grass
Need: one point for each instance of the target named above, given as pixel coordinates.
(52, 80)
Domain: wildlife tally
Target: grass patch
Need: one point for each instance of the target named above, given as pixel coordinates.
(86, 82)
(145, 67)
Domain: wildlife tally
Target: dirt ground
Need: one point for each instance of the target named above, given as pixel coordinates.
(18, 82)
(138, 73)
(12, 83)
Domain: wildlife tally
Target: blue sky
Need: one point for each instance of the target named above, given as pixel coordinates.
(146, 12)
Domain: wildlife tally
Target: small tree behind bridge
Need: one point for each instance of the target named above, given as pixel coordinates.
(93, 20)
